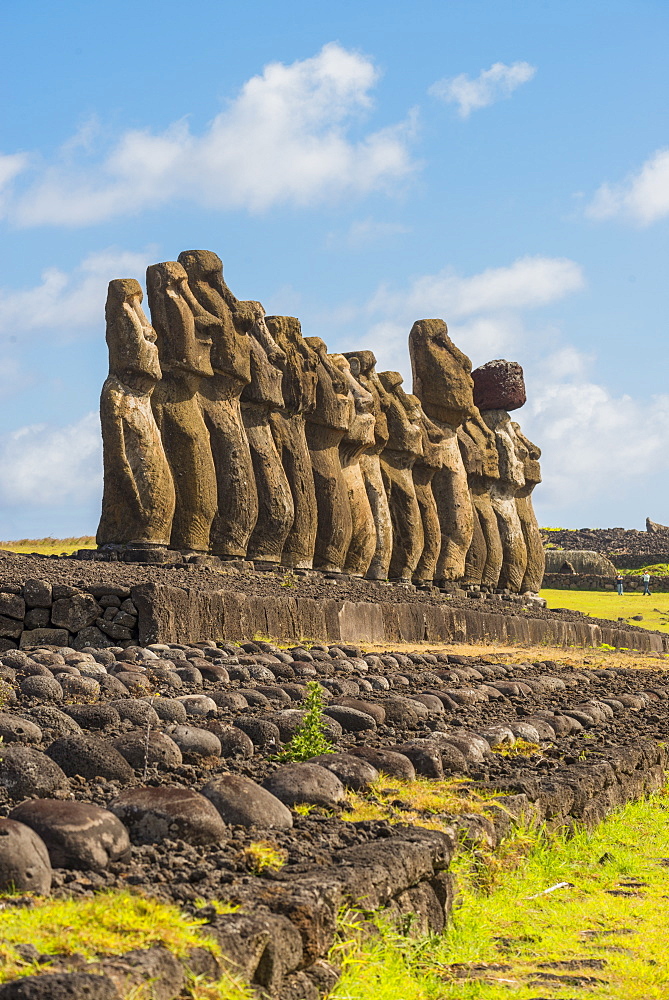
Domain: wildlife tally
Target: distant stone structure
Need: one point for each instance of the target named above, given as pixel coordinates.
(228, 435)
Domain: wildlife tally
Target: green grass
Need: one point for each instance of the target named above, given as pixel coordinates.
(501, 939)
(108, 923)
(608, 604)
(50, 546)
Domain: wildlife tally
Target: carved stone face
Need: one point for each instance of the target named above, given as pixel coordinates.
(361, 430)
(130, 336)
(181, 347)
(441, 373)
(404, 424)
(529, 453)
(334, 402)
(299, 367)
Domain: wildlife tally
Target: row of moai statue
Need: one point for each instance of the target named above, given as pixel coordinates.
(228, 433)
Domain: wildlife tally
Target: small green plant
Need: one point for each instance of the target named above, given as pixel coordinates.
(309, 739)
(289, 579)
(262, 855)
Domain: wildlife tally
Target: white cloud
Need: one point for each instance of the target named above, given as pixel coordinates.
(69, 301)
(642, 198)
(11, 165)
(286, 138)
(594, 443)
(490, 86)
(365, 232)
(527, 283)
(45, 466)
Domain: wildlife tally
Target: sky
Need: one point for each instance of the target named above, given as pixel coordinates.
(502, 164)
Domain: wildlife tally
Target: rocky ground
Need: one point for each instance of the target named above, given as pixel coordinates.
(612, 542)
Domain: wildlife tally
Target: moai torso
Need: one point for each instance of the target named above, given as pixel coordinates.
(404, 446)
(356, 441)
(443, 383)
(183, 329)
(218, 397)
(479, 452)
(138, 499)
(363, 367)
(536, 554)
(298, 389)
(326, 425)
(426, 466)
(260, 398)
(503, 493)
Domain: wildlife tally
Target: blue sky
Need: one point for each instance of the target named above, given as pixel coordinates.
(504, 165)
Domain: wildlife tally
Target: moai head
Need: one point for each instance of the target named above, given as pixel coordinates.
(133, 355)
(183, 347)
(334, 402)
(478, 448)
(404, 427)
(530, 455)
(363, 368)
(441, 373)
(299, 367)
(230, 352)
(267, 359)
(360, 434)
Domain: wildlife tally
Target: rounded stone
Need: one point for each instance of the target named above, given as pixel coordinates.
(24, 860)
(170, 710)
(48, 717)
(112, 687)
(79, 687)
(42, 688)
(390, 762)
(499, 385)
(77, 834)
(350, 719)
(295, 784)
(136, 682)
(137, 711)
(25, 771)
(525, 731)
(242, 802)
(403, 712)
(232, 701)
(262, 733)
(61, 986)
(234, 742)
(425, 755)
(154, 750)
(167, 813)
(98, 716)
(498, 736)
(90, 758)
(195, 742)
(198, 704)
(353, 772)
(255, 699)
(16, 730)
(434, 705)
(377, 711)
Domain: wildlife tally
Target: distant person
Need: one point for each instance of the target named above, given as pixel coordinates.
(646, 585)
(619, 584)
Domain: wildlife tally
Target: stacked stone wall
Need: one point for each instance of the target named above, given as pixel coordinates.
(579, 581)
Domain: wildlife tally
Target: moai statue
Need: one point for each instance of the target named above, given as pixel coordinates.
(363, 367)
(298, 388)
(405, 444)
(479, 452)
(357, 439)
(218, 396)
(261, 397)
(184, 329)
(424, 470)
(536, 554)
(326, 426)
(498, 388)
(138, 499)
(443, 383)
